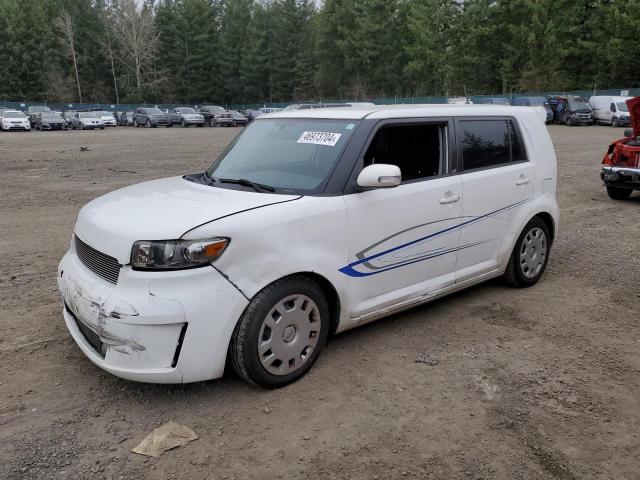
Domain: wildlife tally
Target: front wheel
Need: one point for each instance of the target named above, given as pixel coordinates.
(618, 193)
(184, 124)
(530, 255)
(281, 333)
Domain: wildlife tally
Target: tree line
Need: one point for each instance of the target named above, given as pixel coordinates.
(241, 51)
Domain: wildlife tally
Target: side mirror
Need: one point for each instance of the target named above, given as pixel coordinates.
(380, 175)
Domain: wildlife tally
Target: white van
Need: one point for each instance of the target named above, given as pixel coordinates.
(610, 110)
(310, 223)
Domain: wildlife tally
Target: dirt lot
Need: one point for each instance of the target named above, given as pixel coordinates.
(542, 383)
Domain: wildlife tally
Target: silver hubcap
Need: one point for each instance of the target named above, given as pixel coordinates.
(289, 334)
(533, 252)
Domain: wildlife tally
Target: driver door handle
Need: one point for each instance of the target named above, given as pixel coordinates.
(449, 198)
(522, 180)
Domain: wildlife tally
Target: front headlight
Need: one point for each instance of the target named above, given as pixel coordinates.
(176, 254)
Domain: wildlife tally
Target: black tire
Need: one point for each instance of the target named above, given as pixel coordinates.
(184, 124)
(515, 275)
(619, 193)
(101, 128)
(135, 123)
(147, 124)
(243, 350)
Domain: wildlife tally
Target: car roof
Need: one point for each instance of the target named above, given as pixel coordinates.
(401, 111)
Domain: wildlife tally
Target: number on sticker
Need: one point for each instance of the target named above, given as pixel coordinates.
(320, 138)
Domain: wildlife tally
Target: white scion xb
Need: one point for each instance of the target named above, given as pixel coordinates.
(311, 222)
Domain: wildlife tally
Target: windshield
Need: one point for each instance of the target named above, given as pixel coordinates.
(14, 115)
(87, 115)
(153, 111)
(50, 116)
(287, 154)
(189, 111)
(579, 105)
(38, 109)
(622, 107)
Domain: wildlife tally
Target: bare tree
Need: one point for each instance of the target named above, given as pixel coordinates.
(65, 23)
(107, 45)
(135, 29)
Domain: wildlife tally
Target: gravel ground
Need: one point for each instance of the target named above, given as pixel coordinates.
(542, 383)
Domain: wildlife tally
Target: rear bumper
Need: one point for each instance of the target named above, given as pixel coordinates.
(163, 327)
(621, 177)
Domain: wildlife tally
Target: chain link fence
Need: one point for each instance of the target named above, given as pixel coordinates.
(24, 105)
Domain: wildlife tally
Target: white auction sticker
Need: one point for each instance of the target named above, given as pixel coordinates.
(320, 138)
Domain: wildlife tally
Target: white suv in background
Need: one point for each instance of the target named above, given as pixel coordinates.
(14, 120)
(310, 223)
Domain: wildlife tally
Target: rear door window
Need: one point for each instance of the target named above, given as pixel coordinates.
(488, 143)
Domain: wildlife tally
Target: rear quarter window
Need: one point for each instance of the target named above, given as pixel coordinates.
(489, 143)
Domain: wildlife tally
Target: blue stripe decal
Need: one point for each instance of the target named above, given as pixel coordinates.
(350, 269)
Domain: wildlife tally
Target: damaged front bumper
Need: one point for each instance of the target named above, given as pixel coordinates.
(159, 327)
(621, 177)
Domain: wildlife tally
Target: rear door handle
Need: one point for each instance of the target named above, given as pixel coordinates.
(522, 180)
(449, 198)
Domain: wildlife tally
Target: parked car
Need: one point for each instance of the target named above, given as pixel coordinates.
(610, 110)
(150, 118)
(68, 115)
(34, 110)
(534, 101)
(208, 112)
(50, 121)
(251, 114)
(86, 121)
(107, 118)
(186, 116)
(222, 119)
(302, 106)
(126, 119)
(310, 223)
(621, 171)
(571, 110)
(459, 101)
(269, 110)
(14, 120)
(238, 119)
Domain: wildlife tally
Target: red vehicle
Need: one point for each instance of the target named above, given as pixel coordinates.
(621, 171)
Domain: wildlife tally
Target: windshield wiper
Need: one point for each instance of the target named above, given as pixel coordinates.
(247, 183)
(209, 178)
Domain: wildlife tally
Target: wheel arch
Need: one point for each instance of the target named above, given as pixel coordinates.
(549, 222)
(330, 293)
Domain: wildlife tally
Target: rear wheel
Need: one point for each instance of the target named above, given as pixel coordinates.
(530, 255)
(618, 193)
(281, 333)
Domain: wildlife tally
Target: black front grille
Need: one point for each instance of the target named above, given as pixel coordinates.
(99, 263)
(89, 335)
